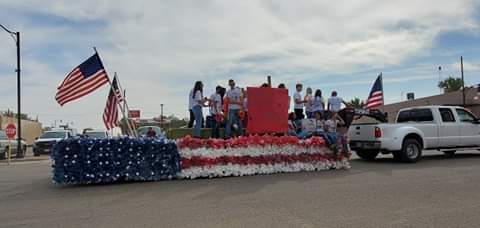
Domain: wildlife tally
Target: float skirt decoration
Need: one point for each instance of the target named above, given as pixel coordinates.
(259, 155)
(94, 161)
(88, 161)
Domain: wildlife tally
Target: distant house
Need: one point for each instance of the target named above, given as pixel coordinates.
(30, 129)
(452, 98)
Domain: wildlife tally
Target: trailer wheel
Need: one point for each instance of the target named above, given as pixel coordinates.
(411, 150)
(369, 155)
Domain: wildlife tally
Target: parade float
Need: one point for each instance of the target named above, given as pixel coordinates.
(263, 151)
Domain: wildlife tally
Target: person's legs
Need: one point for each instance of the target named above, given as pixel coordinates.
(192, 118)
(309, 115)
(197, 111)
(239, 123)
(292, 133)
(299, 114)
(228, 127)
(215, 130)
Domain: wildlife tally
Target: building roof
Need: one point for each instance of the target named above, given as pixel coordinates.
(449, 99)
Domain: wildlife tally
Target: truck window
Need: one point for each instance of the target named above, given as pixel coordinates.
(447, 115)
(415, 115)
(465, 116)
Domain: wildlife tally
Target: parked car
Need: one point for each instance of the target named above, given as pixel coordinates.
(445, 128)
(96, 134)
(44, 144)
(4, 146)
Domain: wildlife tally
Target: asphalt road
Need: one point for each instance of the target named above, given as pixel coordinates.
(436, 192)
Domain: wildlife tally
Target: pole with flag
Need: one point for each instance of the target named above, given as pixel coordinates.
(82, 80)
(376, 98)
(115, 101)
(110, 114)
(124, 100)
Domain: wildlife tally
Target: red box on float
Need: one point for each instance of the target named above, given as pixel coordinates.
(267, 110)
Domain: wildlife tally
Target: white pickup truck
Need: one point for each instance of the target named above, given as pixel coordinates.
(445, 128)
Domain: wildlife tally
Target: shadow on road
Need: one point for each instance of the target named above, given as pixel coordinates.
(220, 188)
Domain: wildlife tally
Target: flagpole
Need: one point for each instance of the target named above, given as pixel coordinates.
(118, 103)
(124, 98)
(383, 93)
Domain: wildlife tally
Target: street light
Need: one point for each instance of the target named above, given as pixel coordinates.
(16, 38)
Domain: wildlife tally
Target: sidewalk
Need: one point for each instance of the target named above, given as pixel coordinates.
(28, 158)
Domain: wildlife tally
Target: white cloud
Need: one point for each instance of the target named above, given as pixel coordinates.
(160, 48)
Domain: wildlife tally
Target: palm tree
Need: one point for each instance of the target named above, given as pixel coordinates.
(356, 103)
(450, 84)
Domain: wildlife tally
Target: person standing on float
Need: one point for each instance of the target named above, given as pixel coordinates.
(309, 103)
(199, 103)
(335, 104)
(298, 102)
(216, 111)
(235, 102)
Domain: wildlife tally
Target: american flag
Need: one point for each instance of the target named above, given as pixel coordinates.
(110, 114)
(376, 94)
(117, 89)
(84, 79)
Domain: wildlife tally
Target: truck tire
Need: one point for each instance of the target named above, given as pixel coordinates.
(3, 155)
(449, 152)
(411, 150)
(369, 155)
(397, 155)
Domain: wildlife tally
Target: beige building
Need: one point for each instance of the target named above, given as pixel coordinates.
(30, 129)
(453, 98)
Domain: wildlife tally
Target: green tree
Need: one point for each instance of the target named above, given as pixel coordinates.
(356, 103)
(15, 115)
(450, 84)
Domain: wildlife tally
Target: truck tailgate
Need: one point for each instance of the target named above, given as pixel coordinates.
(362, 132)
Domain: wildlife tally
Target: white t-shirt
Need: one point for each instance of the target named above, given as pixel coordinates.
(190, 100)
(330, 125)
(309, 104)
(234, 95)
(297, 96)
(198, 98)
(317, 104)
(335, 103)
(217, 103)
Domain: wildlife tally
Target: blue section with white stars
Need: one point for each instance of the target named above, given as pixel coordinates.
(95, 161)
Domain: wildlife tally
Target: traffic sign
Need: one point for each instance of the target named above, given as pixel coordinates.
(11, 131)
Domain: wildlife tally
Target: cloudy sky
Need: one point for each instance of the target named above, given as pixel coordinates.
(159, 48)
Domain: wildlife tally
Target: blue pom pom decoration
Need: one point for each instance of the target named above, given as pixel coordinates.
(96, 161)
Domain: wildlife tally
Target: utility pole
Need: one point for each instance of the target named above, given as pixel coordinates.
(16, 38)
(463, 80)
(440, 78)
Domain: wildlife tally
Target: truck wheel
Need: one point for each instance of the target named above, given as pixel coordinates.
(397, 155)
(411, 151)
(449, 152)
(368, 154)
(3, 155)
